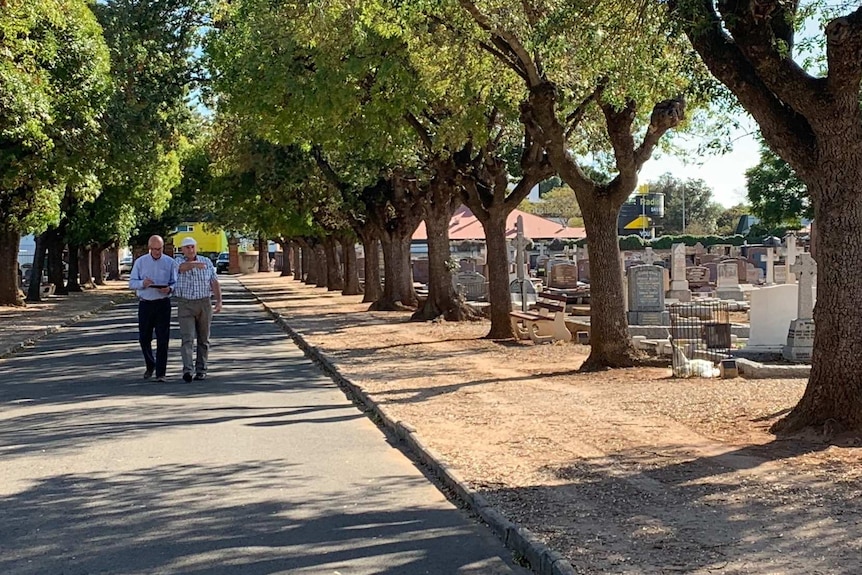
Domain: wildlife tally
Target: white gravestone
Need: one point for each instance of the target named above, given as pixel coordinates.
(679, 287)
(790, 254)
(800, 336)
(727, 285)
(769, 258)
(649, 257)
(772, 310)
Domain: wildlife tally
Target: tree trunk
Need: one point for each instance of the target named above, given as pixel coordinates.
(320, 264)
(610, 344)
(112, 263)
(97, 264)
(442, 299)
(286, 256)
(334, 277)
(10, 240)
(85, 273)
(833, 396)
(498, 275)
(443, 199)
(72, 283)
(351, 273)
(54, 243)
(398, 292)
(263, 255)
(309, 263)
(34, 289)
(302, 262)
(373, 289)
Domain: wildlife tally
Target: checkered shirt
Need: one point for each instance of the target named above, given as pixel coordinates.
(195, 283)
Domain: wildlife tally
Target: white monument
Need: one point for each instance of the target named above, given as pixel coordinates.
(800, 336)
(679, 288)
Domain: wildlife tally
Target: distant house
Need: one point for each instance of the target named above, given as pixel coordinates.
(209, 242)
(465, 226)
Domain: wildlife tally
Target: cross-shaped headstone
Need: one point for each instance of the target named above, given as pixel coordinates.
(542, 249)
(805, 269)
(520, 258)
(790, 256)
(649, 257)
(770, 258)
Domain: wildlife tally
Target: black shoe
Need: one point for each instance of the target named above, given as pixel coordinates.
(148, 374)
(187, 377)
(200, 376)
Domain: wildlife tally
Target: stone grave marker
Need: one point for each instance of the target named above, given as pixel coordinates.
(773, 308)
(584, 270)
(697, 277)
(646, 296)
(727, 286)
(768, 258)
(753, 274)
(472, 285)
(790, 253)
(563, 275)
(800, 336)
(420, 271)
(679, 287)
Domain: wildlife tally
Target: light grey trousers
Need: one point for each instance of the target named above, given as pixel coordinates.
(195, 318)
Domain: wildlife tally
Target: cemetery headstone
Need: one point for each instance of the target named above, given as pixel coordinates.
(768, 258)
(646, 296)
(697, 277)
(679, 287)
(727, 286)
(800, 336)
(790, 253)
(772, 310)
(584, 270)
(472, 285)
(420, 271)
(563, 275)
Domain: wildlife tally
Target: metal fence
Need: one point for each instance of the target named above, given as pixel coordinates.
(700, 330)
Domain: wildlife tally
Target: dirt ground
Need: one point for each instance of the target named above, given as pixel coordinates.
(627, 471)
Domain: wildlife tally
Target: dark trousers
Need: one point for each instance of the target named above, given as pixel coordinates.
(155, 316)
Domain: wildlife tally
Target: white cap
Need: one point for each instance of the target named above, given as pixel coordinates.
(188, 242)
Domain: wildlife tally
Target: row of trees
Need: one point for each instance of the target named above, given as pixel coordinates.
(337, 121)
(93, 111)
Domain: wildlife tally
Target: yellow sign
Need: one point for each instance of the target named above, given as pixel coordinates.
(639, 223)
(643, 189)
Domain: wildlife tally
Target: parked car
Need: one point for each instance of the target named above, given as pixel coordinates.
(222, 263)
(126, 265)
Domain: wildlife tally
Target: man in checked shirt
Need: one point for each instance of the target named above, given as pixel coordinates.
(197, 285)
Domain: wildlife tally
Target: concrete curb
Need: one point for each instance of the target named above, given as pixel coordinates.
(523, 544)
(41, 334)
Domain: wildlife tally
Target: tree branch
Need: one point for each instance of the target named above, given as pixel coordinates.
(421, 131)
(507, 42)
(573, 119)
(778, 121)
(844, 57)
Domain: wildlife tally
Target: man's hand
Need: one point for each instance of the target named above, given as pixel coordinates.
(165, 290)
(148, 282)
(188, 266)
(217, 307)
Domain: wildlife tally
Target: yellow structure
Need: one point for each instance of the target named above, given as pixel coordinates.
(209, 242)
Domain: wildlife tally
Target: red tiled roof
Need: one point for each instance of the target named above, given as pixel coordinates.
(465, 226)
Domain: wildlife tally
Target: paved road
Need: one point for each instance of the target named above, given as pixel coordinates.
(264, 468)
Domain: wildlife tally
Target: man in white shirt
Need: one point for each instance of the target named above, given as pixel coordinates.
(197, 285)
(153, 278)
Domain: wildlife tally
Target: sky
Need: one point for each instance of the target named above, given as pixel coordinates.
(724, 174)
